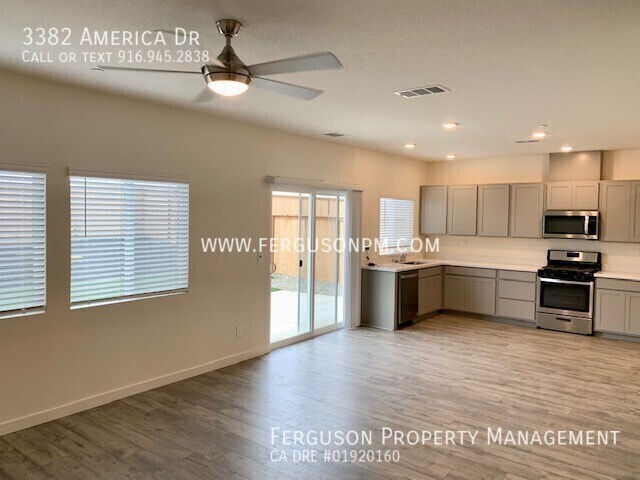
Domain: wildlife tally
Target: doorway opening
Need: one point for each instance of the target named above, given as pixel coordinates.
(308, 263)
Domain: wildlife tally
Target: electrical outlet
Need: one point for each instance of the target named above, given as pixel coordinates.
(531, 247)
(465, 244)
(238, 331)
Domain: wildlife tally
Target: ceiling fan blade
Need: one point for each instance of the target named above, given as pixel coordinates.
(303, 63)
(205, 95)
(152, 70)
(296, 91)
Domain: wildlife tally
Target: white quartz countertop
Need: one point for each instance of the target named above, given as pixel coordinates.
(619, 275)
(399, 267)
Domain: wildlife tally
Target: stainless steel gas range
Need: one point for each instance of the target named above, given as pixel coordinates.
(566, 291)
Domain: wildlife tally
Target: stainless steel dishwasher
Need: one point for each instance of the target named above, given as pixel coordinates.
(407, 298)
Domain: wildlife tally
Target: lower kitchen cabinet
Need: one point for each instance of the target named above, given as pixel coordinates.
(429, 294)
(632, 313)
(482, 296)
(610, 311)
(516, 296)
(618, 307)
(470, 293)
(456, 293)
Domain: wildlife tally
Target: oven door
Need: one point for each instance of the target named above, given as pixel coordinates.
(563, 297)
(571, 224)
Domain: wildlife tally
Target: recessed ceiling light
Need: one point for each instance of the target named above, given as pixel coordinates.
(450, 125)
(451, 156)
(410, 145)
(539, 134)
(567, 148)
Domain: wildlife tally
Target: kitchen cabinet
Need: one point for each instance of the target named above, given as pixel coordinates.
(516, 295)
(632, 313)
(493, 210)
(616, 212)
(470, 290)
(433, 210)
(527, 207)
(635, 212)
(430, 290)
(379, 299)
(482, 296)
(585, 195)
(456, 293)
(559, 196)
(572, 195)
(462, 210)
(617, 306)
(610, 311)
(381, 295)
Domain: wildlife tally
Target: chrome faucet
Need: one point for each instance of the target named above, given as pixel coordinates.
(403, 256)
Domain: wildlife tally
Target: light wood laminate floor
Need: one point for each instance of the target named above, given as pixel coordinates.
(443, 373)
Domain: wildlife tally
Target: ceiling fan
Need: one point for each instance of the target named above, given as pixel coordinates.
(227, 75)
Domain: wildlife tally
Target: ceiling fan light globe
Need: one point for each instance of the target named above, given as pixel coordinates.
(227, 83)
(227, 88)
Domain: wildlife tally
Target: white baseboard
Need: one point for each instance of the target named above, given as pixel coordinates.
(106, 397)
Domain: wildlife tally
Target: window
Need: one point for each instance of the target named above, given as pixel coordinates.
(129, 238)
(396, 223)
(22, 243)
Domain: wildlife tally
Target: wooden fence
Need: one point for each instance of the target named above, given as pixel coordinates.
(286, 226)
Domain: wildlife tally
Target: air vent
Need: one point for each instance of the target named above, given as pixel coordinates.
(528, 140)
(422, 91)
(335, 134)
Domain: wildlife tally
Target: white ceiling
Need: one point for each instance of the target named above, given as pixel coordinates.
(511, 65)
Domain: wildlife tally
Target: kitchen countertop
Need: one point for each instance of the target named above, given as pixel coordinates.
(399, 267)
(619, 275)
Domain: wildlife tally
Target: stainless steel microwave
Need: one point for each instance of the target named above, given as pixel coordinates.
(571, 224)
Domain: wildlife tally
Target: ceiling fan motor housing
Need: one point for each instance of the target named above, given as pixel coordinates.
(234, 73)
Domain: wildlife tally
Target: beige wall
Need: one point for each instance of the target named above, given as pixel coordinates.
(530, 168)
(617, 165)
(52, 360)
(621, 165)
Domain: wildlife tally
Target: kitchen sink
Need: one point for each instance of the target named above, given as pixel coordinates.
(415, 262)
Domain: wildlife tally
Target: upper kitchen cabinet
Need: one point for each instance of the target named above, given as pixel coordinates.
(620, 211)
(581, 195)
(433, 210)
(635, 211)
(617, 212)
(493, 210)
(527, 207)
(559, 196)
(462, 210)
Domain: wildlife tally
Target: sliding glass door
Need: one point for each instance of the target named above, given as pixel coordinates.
(329, 263)
(307, 264)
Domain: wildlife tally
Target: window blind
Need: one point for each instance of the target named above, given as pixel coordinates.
(129, 238)
(22, 242)
(396, 222)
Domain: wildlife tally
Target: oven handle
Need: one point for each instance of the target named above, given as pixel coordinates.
(555, 280)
